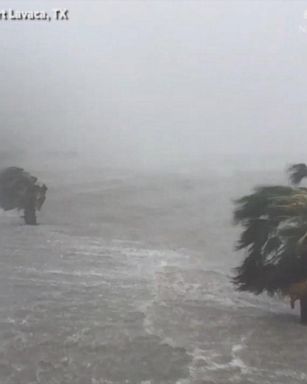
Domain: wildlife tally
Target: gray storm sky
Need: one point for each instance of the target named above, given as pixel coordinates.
(157, 81)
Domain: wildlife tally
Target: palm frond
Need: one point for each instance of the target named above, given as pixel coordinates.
(256, 204)
(274, 221)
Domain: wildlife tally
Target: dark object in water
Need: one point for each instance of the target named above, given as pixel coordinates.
(20, 190)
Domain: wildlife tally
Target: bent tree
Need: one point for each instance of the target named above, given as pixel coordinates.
(20, 190)
(274, 238)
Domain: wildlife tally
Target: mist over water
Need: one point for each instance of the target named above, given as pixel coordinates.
(146, 120)
(156, 84)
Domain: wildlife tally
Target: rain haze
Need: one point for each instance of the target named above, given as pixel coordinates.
(157, 83)
(146, 119)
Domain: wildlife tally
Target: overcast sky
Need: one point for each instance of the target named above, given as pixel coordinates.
(157, 82)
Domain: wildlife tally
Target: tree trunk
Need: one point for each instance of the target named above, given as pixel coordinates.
(30, 216)
(303, 303)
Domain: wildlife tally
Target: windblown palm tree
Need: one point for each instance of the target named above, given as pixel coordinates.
(297, 172)
(274, 237)
(19, 190)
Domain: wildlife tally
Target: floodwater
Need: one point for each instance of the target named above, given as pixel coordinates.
(127, 280)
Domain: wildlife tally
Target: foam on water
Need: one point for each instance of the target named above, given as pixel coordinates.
(141, 297)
